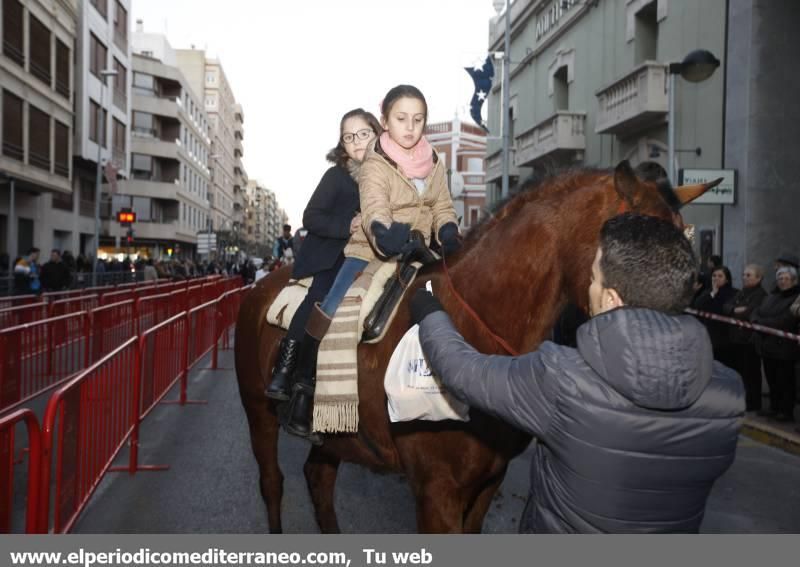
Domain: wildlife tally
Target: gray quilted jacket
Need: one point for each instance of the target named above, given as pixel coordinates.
(633, 426)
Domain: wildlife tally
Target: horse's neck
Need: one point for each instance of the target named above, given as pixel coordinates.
(518, 299)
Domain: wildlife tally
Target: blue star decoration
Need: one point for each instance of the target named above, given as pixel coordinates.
(482, 76)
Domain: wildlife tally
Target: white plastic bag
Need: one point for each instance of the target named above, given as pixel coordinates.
(413, 391)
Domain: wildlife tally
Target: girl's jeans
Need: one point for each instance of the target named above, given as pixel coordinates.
(344, 279)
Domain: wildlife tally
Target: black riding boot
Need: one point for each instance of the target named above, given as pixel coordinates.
(278, 388)
(298, 414)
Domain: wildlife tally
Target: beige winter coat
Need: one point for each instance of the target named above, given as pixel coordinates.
(387, 196)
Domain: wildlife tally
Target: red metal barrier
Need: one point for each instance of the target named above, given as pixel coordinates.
(153, 309)
(111, 326)
(86, 424)
(194, 297)
(17, 300)
(162, 356)
(7, 460)
(202, 331)
(117, 296)
(38, 356)
(73, 304)
(22, 314)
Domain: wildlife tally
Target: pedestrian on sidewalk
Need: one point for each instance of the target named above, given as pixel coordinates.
(779, 354)
(55, 273)
(26, 273)
(634, 425)
(745, 358)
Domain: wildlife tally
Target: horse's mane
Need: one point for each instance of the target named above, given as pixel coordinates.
(540, 184)
(552, 179)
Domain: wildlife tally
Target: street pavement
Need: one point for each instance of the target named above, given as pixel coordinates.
(212, 483)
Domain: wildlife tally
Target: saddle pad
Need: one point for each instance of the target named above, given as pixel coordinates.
(284, 306)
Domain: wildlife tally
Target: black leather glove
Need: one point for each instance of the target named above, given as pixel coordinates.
(448, 237)
(422, 304)
(390, 241)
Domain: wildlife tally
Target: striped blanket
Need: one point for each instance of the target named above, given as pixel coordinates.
(336, 396)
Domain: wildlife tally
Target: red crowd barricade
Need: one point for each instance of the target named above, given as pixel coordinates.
(17, 300)
(86, 424)
(111, 326)
(38, 356)
(8, 425)
(73, 304)
(153, 309)
(21, 314)
(194, 297)
(202, 330)
(117, 296)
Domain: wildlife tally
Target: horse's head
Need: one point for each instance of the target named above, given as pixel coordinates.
(654, 197)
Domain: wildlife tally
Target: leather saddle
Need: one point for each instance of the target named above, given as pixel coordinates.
(407, 267)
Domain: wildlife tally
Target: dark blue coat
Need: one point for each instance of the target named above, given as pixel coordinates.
(327, 217)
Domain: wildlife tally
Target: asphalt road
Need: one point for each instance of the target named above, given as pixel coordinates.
(211, 486)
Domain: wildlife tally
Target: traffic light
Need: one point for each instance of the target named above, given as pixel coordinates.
(126, 218)
(129, 237)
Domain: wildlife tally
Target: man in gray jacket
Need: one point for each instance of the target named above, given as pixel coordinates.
(633, 426)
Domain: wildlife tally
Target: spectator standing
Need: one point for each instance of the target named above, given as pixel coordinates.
(283, 243)
(26, 273)
(779, 354)
(714, 300)
(150, 273)
(745, 358)
(55, 274)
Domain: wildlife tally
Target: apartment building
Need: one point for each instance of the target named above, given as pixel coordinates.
(170, 150)
(462, 147)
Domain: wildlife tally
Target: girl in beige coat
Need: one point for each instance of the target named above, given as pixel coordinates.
(402, 188)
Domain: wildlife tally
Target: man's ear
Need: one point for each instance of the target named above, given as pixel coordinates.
(612, 299)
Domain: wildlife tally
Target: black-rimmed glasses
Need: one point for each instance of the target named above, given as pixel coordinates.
(362, 134)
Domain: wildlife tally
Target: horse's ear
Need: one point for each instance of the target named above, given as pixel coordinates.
(625, 181)
(688, 193)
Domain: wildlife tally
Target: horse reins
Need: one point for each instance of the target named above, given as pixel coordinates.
(499, 340)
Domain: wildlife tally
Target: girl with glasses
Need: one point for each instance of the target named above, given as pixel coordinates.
(330, 217)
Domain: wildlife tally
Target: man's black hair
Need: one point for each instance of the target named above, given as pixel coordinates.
(287, 227)
(648, 261)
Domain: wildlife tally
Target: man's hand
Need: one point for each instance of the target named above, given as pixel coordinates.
(423, 303)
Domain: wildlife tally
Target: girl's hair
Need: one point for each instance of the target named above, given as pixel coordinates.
(399, 92)
(726, 271)
(338, 155)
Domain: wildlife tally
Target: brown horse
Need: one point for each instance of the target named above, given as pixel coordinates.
(548, 237)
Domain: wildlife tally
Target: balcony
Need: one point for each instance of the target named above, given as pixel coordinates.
(153, 188)
(563, 134)
(154, 147)
(160, 106)
(494, 166)
(636, 101)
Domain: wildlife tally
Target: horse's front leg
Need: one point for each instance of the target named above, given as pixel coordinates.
(320, 472)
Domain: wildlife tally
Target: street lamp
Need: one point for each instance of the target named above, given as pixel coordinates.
(506, 104)
(697, 66)
(104, 74)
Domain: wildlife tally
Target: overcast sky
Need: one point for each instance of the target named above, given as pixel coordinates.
(297, 65)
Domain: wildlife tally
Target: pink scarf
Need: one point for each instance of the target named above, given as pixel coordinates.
(418, 165)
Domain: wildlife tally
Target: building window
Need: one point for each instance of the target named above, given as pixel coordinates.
(97, 123)
(118, 144)
(97, 56)
(143, 123)
(12, 126)
(101, 6)
(120, 85)
(144, 84)
(141, 166)
(62, 150)
(63, 201)
(646, 33)
(38, 138)
(39, 50)
(141, 206)
(13, 40)
(62, 69)
(561, 89)
(121, 27)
